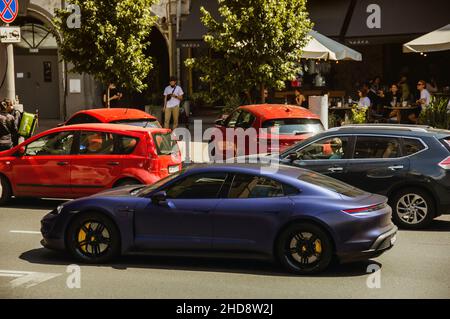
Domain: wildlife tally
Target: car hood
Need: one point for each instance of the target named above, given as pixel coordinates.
(118, 192)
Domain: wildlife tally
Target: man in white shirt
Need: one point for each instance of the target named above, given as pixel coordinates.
(173, 95)
(423, 102)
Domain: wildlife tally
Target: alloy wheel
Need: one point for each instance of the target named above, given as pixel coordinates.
(304, 249)
(412, 208)
(93, 239)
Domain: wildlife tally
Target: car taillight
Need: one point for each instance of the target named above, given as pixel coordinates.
(445, 164)
(366, 209)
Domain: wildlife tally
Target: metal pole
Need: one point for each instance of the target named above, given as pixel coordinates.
(10, 79)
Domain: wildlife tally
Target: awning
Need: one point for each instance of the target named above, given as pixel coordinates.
(322, 47)
(438, 40)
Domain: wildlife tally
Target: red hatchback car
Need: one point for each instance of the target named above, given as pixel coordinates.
(293, 122)
(80, 160)
(114, 116)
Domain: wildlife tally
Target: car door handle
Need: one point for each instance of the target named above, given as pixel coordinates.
(62, 163)
(113, 163)
(396, 167)
(336, 169)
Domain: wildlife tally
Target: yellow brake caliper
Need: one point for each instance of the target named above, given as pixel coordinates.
(318, 246)
(82, 236)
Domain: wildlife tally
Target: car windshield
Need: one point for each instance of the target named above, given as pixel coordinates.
(139, 122)
(331, 184)
(144, 191)
(165, 144)
(295, 126)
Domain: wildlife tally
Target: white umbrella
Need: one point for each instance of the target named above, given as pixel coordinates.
(322, 47)
(438, 40)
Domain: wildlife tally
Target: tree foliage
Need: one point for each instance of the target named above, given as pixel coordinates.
(110, 42)
(255, 44)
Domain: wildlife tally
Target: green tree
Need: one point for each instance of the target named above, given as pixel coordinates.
(255, 44)
(110, 41)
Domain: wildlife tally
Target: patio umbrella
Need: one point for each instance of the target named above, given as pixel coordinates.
(438, 40)
(322, 47)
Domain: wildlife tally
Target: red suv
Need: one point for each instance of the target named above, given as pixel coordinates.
(80, 160)
(293, 122)
(114, 116)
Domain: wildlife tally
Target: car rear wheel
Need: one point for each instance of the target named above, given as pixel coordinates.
(304, 249)
(93, 238)
(5, 190)
(412, 208)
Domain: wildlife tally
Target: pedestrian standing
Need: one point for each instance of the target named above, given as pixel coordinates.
(114, 97)
(10, 108)
(173, 95)
(7, 128)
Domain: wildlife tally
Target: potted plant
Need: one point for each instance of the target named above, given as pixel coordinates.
(436, 114)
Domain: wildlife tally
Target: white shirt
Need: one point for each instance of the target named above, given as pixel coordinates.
(364, 102)
(173, 102)
(424, 94)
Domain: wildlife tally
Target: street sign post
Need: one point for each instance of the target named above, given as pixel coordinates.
(9, 9)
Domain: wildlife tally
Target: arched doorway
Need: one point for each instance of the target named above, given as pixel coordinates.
(158, 77)
(37, 69)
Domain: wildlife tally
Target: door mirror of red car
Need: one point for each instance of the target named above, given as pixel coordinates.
(21, 151)
(159, 198)
(220, 122)
(60, 124)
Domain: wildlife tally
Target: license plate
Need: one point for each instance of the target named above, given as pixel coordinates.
(393, 239)
(173, 169)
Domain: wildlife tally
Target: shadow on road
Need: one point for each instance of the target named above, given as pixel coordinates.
(33, 203)
(251, 267)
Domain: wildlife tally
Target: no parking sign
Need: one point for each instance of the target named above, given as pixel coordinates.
(9, 10)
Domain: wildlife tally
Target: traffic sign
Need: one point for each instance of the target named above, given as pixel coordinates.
(10, 34)
(9, 9)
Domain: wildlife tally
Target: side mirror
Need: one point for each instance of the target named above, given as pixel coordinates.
(60, 124)
(220, 122)
(292, 157)
(20, 151)
(159, 197)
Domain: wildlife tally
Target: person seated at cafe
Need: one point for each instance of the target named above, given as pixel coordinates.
(392, 98)
(432, 85)
(364, 101)
(300, 99)
(422, 103)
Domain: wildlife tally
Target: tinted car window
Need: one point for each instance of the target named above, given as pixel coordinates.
(412, 146)
(245, 120)
(377, 147)
(81, 119)
(165, 145)
(331, 184)
(126, 144)
(232, 119)
(52, 144)
(96, 143)
(197, 186)
(295, 126)
(248, 186)
(332, 148)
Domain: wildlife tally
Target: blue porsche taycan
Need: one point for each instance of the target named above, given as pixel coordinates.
(298, 217)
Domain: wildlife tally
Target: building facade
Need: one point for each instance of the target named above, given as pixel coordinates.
(41, 78)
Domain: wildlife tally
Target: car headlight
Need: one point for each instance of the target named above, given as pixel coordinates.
(59, 209)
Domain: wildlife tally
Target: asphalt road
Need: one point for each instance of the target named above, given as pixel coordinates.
(417, 267)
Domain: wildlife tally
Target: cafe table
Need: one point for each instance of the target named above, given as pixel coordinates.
(403, 113)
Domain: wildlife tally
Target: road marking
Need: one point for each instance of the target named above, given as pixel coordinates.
(27, 279)
(25, 232)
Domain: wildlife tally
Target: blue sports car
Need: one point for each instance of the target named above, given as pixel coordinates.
(298, 217)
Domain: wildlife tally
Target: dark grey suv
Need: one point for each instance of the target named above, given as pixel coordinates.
(409, 164)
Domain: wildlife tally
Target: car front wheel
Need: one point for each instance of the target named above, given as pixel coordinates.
(304, 249)
(412, 208)
(93, 238)
(5, 190)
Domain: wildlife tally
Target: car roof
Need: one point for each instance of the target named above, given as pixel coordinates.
(279, 111)
(391, 129)
(108, 127)
(116, 114)
(290, 172)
